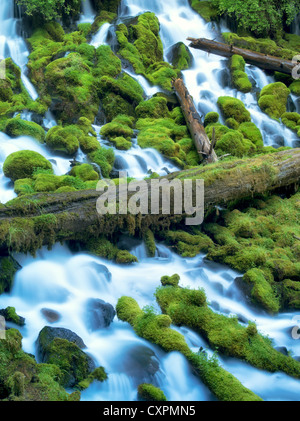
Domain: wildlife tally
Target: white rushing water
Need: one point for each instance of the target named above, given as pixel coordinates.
(12, 44)
(62, 281)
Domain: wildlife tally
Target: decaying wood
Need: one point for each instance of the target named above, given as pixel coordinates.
(193, 121)
(261, 60)
(46, 218)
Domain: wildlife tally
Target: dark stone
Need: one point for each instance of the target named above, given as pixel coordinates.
(174, 54)
(282, 349)
(49, 333)
(50, 315)
(99, 314)
(139, 362)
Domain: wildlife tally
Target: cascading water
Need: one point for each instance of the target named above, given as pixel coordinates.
(12, 44)
(64, 282)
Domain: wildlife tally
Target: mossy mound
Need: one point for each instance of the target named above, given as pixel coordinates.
(105, 159)
(121, 126)
(234, 108)
(140, 44)
(180, 56)
(150, 393)
(85, 172)
(102, 247)
(273, 99)
(8, 269)
(239, 77)
(17, 127)
(22, 164)
(205, 9)
(22, 379)
(10, 315)
(155, 107)
(292, 121)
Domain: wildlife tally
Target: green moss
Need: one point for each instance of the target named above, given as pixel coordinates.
(223, 333)
(205, 9)
(234, 108)
(239, 77)
(102, 247)
(63, 139)
(150, 243)
(22, 379)
(16, 127)
(155, 107)
(235, 144)
(181, 58)
(292, 121)
(22, 164)
(98, 374)
(121, 126)
(10, 315)
(8, 269)
(295, 87)
(211, 118)
(187, 244)
(150, 393)
(170, 280)
(273, 99)
(156, 329)
(105, 159)
(252, 133)
(85, 172)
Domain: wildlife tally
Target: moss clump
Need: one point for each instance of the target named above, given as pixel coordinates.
(234, 108)
(102, 247)
(150, 393)
(188, 244)
(235, 144)
(211, 118)
(150, 243)
(170, 280)
(98, 374)
(180, 56)
(140, 44)
(292, 121)
(10, 315)
(273, 99)
(188, 308)
(295, 87)
(85, 172)
(155, 107)
(205, 9)
(121, 126)
(156, 329)
(105, 159)
(22, 379)
(22, 164)
(251, 132)
(16, 127)
(239, 77)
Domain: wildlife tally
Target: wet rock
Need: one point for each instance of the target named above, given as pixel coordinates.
(179, 53)
(102, 269)
(99, 314)
(140, 362)
(62, 347)
(51, 316)
(282, 349)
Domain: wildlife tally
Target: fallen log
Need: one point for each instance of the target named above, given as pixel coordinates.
(193, 121)
(27, 223)
(261, 60)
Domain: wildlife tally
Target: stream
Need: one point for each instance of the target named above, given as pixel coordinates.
(64, 281)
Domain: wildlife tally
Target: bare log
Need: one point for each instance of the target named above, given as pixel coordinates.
(43, 219)
(193, 121)
(261, 60)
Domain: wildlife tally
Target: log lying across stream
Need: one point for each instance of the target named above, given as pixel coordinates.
(261, 60)
(193, 121)
(27, 223)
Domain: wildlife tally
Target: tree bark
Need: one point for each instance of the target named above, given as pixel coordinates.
(193, 120)
(42, 219)
(261, 60)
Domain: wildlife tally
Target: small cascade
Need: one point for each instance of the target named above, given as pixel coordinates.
(88, 13)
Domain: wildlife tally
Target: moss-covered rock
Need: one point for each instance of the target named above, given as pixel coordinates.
(102, 247)
(155, 107)
(85, 172)
(150, 393)
(22, 164)
(16, 127)
(8, 268)
(206, 9)
(211, 117)
(170, 280)
(10, 315)
(104, 158)
(22, 379)
(239, 77)
(234, 108)
(273, 99)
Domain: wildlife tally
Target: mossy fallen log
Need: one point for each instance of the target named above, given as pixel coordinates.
(29, 222)
(193, 121)
(261, 60)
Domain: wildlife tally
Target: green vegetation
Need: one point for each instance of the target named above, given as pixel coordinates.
(16, 127)
(273, 99)
(156, 329)
(102, 247)
(22, 164)
(148, 392)
(239, 77)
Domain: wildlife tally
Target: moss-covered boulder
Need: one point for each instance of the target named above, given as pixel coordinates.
(10, 315)
(16, 127)
(85, 172)
(155, 107)
(62, 348)
(22, 164)
(273, 99)
(234, 108)
(148, 392)
(239, 77)
(180, 56)
(22, 379)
